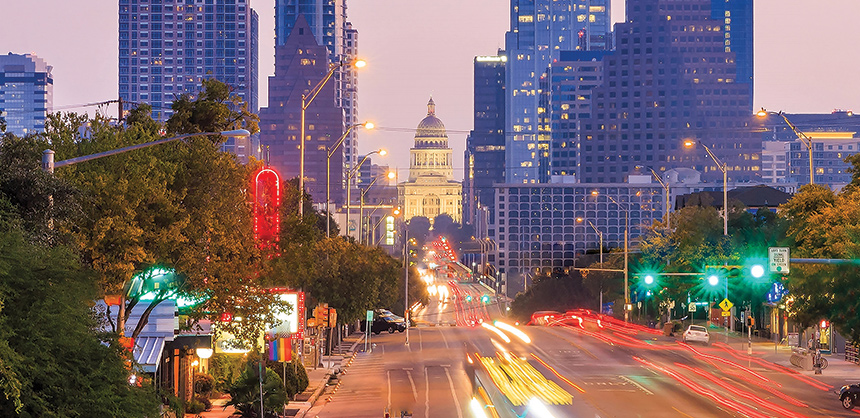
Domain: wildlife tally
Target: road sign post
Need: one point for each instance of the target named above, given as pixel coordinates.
(778, 259)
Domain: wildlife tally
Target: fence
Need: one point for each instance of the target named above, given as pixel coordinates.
(851, 353)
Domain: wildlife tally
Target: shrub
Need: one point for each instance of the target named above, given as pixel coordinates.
(203, 384)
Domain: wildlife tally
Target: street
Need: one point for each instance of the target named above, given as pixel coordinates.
(609, 369)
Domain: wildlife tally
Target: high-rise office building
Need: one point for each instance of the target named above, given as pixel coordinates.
(298, 60)
(737, 18)
(669, 80)
(485, 145)
(540, 29)
(327, 20)
(26, 93)
(168, 47)
(570, 82)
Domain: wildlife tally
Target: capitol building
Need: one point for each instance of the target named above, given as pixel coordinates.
(431, 189)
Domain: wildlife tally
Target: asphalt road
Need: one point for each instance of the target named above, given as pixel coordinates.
(592, 370)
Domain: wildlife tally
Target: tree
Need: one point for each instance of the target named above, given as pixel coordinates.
(245, 391)
(558, 292)
(52, 362)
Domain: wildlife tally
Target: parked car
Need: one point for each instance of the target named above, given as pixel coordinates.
(385, 323)
(697, 333)
(850, 396)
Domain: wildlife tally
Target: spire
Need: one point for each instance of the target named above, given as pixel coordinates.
(431, 107)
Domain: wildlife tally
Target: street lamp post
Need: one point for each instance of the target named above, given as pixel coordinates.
(349, 175)
(49, 165)
(390, 175)
(800, 135)
(626, 210)
(666, 193)
(329, 154)
(307, 99)
(725, 169)
(600, 236)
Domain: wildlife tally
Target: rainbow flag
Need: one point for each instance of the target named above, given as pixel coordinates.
(280, 349)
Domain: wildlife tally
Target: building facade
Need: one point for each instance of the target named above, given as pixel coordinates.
(737, 18)
(298, 60)
(485, 145)
(670, 80)
(536, 228)
(540, 29)
(26, 93)
(168, 47)
(328, 22)
(431, 189)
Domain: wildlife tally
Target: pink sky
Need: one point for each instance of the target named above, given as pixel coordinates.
(804, 62)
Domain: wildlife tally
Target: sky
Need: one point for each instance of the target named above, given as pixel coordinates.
(805, 61)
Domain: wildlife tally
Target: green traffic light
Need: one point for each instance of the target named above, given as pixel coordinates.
(649, 279)
(713, 280)
(468, 298)
(485, 299)
(757, 271)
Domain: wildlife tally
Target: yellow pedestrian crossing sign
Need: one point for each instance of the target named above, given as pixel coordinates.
(726, 304)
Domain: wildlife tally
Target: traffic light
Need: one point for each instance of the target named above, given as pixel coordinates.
(824, 323)
(468, 298)
(485, 299)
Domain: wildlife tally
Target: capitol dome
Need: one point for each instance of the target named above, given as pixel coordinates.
(431, 131)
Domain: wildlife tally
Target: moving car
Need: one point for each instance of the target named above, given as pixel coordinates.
(696, 333)
(545, 317)
(850, 396)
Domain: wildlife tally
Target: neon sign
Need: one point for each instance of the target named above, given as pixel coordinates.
(267, 204)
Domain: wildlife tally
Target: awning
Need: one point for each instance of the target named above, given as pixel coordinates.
(147, 352)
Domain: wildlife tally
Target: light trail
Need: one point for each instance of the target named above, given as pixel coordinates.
(557, 374)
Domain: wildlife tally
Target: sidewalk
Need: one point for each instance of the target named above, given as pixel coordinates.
(318, 380)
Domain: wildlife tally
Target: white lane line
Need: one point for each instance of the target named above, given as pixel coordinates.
(443, 338)
(412, 381)
(420, 340)
(642, 388)
(454, 394)
(388, 376)
(426, 393)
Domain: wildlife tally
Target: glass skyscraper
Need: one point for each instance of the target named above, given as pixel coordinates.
(737, 18)
(26, 93)
(540, 29)
(168, 47)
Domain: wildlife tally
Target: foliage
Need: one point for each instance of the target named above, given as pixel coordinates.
(296, 376)
(245, 391)
(53, 363)
(214, 110)
(195, 406)
(225, 369)
(557, 292)
(203, 384)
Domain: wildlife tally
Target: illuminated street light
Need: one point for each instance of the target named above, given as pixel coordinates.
(626, 209)
(307, 99)
(349, 175)
(800, 135)
(330, 152)
(725, 169)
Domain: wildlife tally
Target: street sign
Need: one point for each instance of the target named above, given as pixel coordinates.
(726, 313)
(726, 304)
(369, 316)
(778, 259)
(692, 307)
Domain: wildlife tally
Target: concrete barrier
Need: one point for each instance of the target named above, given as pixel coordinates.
(801, 358)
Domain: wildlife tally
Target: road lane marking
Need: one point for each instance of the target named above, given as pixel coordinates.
(443, 338)
(388, 376)
(642, 388)
(676, 409)
(420, 341)
(454, 394)
(412, 382)
(426, 393)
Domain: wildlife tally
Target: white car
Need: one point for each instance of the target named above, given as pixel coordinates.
(696, 333)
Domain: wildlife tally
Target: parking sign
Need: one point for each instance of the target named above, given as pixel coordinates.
(778, 259)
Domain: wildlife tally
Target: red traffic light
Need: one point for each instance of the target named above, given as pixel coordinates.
(823, 323)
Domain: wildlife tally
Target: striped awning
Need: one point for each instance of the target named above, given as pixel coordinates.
(147, 352)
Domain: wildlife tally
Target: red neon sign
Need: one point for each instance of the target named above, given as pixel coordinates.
(267, 204)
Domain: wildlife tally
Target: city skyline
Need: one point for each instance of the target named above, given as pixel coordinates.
(441, 64)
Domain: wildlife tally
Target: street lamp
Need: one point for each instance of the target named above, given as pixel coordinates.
(626, 210)
(329, 153)
(665, 189)
(307, 99)
(800, 135)
(349, 175)
(725, 169)
(390, 176)
(49, 165)
(599, 235)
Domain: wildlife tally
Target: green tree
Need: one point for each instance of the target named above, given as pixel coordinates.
(557, 292)
(245, 391)
(52, 362)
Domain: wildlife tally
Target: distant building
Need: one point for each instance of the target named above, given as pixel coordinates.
(774, 161)
(26, 93)
(570, 82)
(244, 148)
(431, 189)
(167, 50)
(536, 229)
(670, 79)
(485, 145)
(539, 30)
(297, 61)
(737, 19)
(328, 22)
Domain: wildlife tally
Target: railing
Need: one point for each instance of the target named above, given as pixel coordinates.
(851, 353)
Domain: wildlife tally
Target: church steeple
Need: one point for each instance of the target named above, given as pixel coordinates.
(431, 107)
